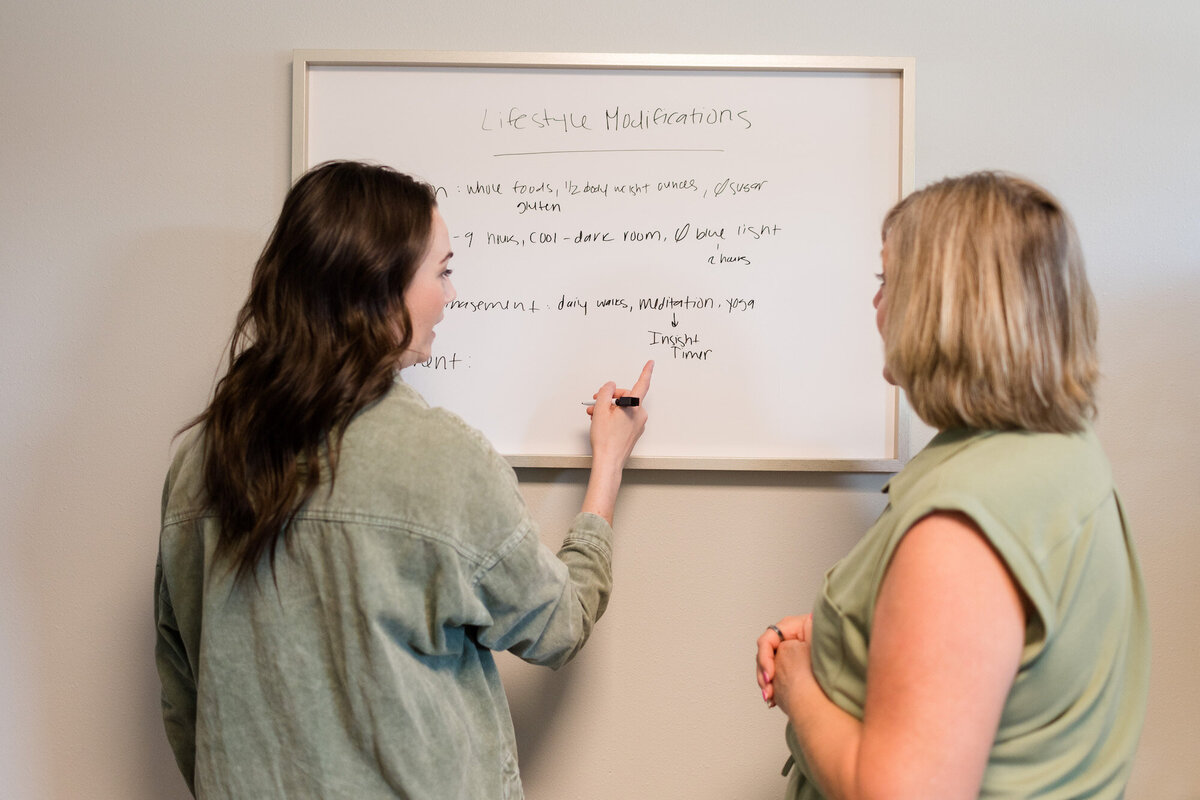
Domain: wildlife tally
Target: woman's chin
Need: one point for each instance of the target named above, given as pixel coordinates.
(411, 358)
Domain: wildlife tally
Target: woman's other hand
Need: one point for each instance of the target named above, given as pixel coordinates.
(798, 628)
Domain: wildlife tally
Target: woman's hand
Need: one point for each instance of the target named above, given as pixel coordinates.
(615, 430)
(794, 677)
(798, 629)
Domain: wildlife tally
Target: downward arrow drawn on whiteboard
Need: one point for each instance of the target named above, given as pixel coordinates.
(674, 322)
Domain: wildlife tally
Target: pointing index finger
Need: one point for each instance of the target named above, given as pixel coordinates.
(643, 382)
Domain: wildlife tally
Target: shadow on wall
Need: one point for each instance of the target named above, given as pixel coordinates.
(125, 354)
(1149, 422)
(535, 695)
(206, 274)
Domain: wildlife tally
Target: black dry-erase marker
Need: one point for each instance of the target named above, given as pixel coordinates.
(624, 402)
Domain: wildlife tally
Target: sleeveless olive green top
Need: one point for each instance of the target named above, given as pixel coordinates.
(1047, 504)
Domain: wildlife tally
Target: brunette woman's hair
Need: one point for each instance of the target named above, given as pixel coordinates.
(318, 339)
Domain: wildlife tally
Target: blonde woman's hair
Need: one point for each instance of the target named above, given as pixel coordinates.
(990, 322)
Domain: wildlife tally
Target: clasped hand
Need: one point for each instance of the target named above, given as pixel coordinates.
(784, 664)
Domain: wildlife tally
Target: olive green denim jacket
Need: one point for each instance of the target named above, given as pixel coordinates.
(362, 668)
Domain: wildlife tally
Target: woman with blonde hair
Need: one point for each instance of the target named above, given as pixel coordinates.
(988, 636)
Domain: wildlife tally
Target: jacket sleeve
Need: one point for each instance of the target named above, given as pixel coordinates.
(175, 671)
(541, 606)
(178, 682)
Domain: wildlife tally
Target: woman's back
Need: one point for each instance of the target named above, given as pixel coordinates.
(360, 666)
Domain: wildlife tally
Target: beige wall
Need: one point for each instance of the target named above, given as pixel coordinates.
(144, 150)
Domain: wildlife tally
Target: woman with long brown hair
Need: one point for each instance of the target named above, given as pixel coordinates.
(337, 559)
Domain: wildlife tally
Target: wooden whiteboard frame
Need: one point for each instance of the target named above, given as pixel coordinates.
(902, 67)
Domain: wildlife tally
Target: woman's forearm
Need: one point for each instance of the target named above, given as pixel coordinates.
(829, 737)
(604, 483)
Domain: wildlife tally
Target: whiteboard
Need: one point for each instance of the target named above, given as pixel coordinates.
(717, 214)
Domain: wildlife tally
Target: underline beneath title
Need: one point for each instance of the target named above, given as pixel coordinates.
(614, 150)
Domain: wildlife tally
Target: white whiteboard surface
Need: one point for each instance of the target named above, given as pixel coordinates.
(719, 215)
